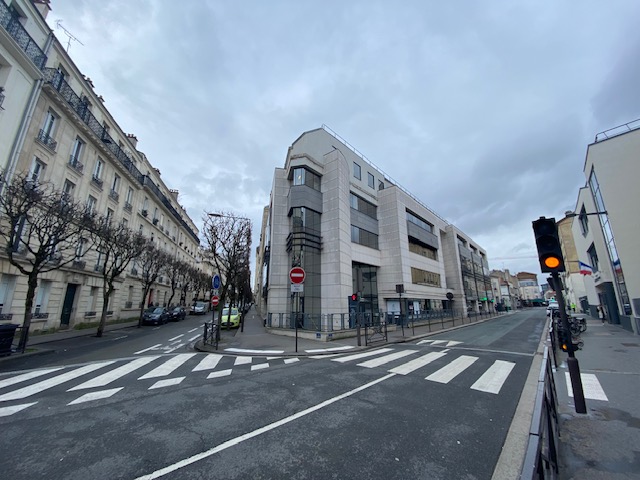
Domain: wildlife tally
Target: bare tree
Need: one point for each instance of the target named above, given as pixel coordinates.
(151, 263)
(42, 230)
(117, 246)
(229, 241)
(175, 270)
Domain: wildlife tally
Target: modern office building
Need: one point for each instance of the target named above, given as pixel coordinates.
(71, 140)
(357, 232)
(604, 230)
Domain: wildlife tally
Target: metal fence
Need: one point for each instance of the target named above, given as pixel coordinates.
(541, 459)
(210, 336)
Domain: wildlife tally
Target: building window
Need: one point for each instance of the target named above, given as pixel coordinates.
(97, 172)
(302, 176)
(424, 277)
(76, 150)
(422, 250)
(115, 187)
(593, 257)
(381, 185)
(68, 189)
(371, 180)
(306, 218)
(416, 220)
(363, 206)
(109, 215)
(37, 168)
(363, 237)
(91, 204)
(357, 171)
(584, 222)
(129, 196)
(42, 297)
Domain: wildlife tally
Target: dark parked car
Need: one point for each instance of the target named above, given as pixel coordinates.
(155, 316)
(178, 314)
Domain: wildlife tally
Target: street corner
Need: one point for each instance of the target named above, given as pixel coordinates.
(7, 361)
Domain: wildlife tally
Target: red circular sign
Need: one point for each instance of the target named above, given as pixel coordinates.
(297, 275)
(215, 300)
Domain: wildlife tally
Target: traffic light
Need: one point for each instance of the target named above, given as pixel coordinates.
(564, 338)
(548, 243)
(354, 297)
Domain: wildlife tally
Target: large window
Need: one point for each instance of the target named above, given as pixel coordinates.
(416, 220)
(593, 258)
(423, 250)
(302, 217)
(584, 222)
(424, 277)
(357, 172)
(302, 176)
(371, 181)
(363, 206)
(362, 237)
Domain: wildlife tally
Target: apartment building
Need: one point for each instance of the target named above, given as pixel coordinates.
(355, 231)
(529, 289)
(72, 141)
(603, 227)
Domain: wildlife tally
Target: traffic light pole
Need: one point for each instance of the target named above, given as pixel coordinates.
(572, 361)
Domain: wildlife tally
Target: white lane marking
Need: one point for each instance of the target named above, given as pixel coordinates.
(590, 386)
(358, 356)
(88, 397)
(52, 382)
(245, 350)
(332, 349)
(166, 383)
(147, 349)
(108, 377)
(119, 338)
(6, 411)
(27, 376)
(376, 362)
(417, 363)
(193, 338)
(272, 358)
(492, 380)
(242, 361)
(175, 348)
(452, 370)
(235, 441)
(424, 342)
(291, 360)
(219, 373)
(259, 366)
(208, 363)
(438, 342)
(329, 355)
(193, 330)
(167, 367)
(453, 343)
(175, 338)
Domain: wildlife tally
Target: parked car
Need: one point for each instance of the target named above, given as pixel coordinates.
(177, 314)
(198, 308)
(232, 321)
(552, 306)
(155, 316)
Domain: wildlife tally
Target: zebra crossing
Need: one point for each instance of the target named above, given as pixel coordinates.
(153, 372)
(408, 361)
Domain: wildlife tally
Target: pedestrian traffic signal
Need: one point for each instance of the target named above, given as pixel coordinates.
(548, 243)
(354, 297)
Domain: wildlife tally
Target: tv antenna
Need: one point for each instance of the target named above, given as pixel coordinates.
(68, 34)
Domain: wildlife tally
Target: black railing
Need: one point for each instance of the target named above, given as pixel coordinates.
(90, 314)
(98, 181)
(113, 195)
(81, 107)
(79, 264)
(46, 140)
(40, 316)
(210, 337)
(128, 207)
(16, 31)
(76, 164)
(128, 304)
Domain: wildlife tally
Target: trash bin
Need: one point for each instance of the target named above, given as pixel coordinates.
(7, 332)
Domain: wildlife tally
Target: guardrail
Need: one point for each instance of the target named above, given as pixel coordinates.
(541, 458)
(210, 336)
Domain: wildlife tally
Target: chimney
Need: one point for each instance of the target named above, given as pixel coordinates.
(133, 139)
(43, 7)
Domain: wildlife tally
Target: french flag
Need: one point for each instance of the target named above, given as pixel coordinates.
(585, 269)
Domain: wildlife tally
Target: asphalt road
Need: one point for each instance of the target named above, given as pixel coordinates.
(433, 409)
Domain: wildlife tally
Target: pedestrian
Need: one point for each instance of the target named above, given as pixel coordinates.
(601, 313)
(573, 307)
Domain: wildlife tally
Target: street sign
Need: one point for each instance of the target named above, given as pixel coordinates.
(296, 274)
(297, 288)
(215, 300)
(215, 282)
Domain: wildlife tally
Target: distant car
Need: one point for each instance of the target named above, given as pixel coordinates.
(155, 316)
(177, 314)
(552, 306)
(198, 308)
(233, 320)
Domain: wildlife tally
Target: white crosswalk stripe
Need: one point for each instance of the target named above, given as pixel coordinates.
(492, 380)
(209, 362)
(417, 363)
(6, 411)
(590, 386)
(27, 376)
(452, 370)
(113, 375)
(376, 362)
(358, 356)
(88, 397)
(243, 360)
(168, 367)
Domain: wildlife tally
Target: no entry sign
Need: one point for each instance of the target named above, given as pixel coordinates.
(215, 300)
(296, 275)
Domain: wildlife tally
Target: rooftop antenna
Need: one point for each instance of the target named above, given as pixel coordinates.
(68, 34)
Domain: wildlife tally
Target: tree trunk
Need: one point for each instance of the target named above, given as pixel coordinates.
(105, 307)
(32, 284)
(145, 292)
(173, 294)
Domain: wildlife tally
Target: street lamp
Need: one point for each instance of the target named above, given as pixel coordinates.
(574, 214)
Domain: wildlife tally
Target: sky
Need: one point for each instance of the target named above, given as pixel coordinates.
(482, 110)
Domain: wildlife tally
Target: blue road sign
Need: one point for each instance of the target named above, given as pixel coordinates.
(216, 281)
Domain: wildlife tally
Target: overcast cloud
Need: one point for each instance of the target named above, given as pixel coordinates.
(483, 110)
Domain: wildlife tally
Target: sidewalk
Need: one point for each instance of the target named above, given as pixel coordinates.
(604, 443)
(256, 340)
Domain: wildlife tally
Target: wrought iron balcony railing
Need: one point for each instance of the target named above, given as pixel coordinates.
(128, 304)
(79, 264)
(76, 164)
(113, 195)
(128, 207)
(44, 138)
(16, 31)
(97, 181)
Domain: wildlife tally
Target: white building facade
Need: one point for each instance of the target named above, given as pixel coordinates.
(356, 232)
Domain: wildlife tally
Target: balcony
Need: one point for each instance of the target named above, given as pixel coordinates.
(16, 31)
(44, 138)
(40, 316)
(97, 181)
(155, 221)
(128, 304)
(128, 207)
(113, 195)
(76, 164)
(98, 268)
(89, 314)
(144, 213)
(79, 264)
